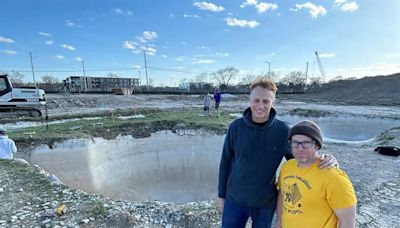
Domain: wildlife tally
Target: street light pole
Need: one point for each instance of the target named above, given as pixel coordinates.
(269, 68)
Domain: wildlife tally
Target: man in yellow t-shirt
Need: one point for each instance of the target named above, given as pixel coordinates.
(308, 196)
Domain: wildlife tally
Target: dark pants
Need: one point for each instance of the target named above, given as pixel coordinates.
(235, 216)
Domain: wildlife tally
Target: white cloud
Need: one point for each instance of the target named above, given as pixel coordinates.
(248, 3)
(69, 47)
(350, 7)
(6, 40)
(136, 67)
(327, 55)
(134, 46)
(208, 6)
(203, 61)
(69, 23)
(122, 12)
(261, 7)
(44, 34)
(79, 59)
(149, 50)
(49, 42)
(129, 45)
(315, 10)
(347, 6)
(9, 52)
(164, 56)
(191, 16)
(241, 23)
(222, 54)
(147, 36)
(59, 57)
(202, 47)
(264, 57)
(118, 11)
(180, 59)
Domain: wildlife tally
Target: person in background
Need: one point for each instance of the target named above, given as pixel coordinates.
(253, 149)
(309, 196)
(217, 99)
(7, 146)
(206, 104)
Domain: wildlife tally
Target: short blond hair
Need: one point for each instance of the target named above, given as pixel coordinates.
(265, 83)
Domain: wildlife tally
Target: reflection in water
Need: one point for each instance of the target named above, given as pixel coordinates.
(166, 166)
(347, 128)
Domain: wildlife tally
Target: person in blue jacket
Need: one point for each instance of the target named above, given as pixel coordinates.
(217, 99)
(253, 149)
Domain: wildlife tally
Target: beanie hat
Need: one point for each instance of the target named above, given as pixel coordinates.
(309, 129)
(3, 131)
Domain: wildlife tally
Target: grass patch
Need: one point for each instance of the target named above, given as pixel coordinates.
(109, 126)
(97, 210)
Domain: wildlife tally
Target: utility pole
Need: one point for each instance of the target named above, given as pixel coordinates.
(84, 76)
(33, 71)
(140, 79)
(33, 74)
(305, 85)
(269, 68)
(145, 66)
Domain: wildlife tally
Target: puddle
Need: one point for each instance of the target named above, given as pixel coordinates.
(26, 124)
(347, 128)
(166, 166)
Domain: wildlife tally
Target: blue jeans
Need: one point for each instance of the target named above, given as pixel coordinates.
(235, 216)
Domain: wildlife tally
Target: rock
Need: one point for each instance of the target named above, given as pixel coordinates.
(85, 221)
(1, 190)
(46, 221)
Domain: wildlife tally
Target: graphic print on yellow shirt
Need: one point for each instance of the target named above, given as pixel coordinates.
(310, 194)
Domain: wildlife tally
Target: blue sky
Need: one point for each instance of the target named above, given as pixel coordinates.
(184, 38)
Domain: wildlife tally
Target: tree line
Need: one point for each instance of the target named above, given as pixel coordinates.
(224, 78)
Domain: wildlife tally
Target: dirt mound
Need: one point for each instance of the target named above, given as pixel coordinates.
(378, 90)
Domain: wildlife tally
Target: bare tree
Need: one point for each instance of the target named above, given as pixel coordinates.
(151, 82)
(202, 78)
(248, 79)
(48, 79)
(226, 75)
(294, 78)
(112, 75)
(16, 77)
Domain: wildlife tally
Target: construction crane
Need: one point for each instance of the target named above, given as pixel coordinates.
(321, 69)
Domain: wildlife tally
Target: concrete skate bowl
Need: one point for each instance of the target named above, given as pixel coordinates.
(168, 167)
(347, 128)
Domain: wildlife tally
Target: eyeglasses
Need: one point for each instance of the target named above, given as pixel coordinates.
(304, 144)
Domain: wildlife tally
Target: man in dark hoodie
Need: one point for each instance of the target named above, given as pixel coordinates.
(253, 149)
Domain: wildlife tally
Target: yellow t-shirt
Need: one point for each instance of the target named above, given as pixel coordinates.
(310, 194)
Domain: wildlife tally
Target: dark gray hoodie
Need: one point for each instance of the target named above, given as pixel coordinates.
(250, 158)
